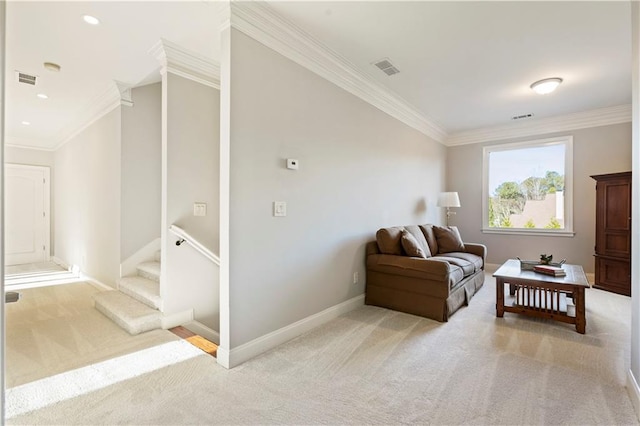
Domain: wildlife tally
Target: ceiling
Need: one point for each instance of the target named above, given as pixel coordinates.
(464, 65)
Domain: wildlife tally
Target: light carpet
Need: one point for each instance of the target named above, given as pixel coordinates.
(375, 366)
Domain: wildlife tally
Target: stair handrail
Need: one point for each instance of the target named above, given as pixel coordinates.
(189, 239)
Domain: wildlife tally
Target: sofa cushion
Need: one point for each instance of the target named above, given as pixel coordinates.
(467, 267)
(427, 230)
(389, 240)
(411, 246)
(472, 258)
(449, 239)
(420, 239)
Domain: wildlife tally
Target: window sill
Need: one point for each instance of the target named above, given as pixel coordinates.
(532, 232)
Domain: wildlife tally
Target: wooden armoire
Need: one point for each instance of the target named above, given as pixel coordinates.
(613, 232)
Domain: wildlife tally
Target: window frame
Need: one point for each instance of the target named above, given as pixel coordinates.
(568, 231)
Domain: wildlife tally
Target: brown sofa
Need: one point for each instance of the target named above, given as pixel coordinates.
(423, 270)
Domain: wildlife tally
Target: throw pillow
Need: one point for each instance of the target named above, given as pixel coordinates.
(449, 239)
(419, 236)
(411, 246)
(389, 240)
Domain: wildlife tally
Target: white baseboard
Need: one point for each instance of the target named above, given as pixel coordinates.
(96, 283)
(146, 253)
(61, 263)
(491, 267)
(179, 318)
(204, 331)
(245, 352)
(634, 392)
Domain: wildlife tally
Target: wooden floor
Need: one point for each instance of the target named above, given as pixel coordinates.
(196, 340)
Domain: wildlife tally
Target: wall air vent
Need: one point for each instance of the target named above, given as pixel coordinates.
(386, 66)
(26, 78)
(521, 117)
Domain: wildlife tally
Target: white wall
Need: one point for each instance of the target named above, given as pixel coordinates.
(36, 157)
(360, 170)
(141, 169)
(87, 193)
(597, 150)
(191, 165)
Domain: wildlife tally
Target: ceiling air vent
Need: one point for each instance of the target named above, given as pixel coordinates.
(386, 66)
(522, 116)
(26, 78)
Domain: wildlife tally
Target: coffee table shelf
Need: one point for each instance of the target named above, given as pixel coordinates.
(543, 296)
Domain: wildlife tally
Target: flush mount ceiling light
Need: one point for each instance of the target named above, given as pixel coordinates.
(52, 67)
(26, 123)
(42, 96)
(92, 20)
(548, 85)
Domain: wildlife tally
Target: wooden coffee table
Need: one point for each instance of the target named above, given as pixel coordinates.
(541, 295)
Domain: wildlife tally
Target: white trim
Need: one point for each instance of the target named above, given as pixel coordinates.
(260, 22)
(108, 100)
(176, 319)
(634, 392)
(204, 331)
(262, 344)
(184, 63)
(561, 123)
(567, 141)
(530, 233)
(197, 245)
(129, 265)
(60, 263)
(491, 267)
(24, 143)
(96, 283)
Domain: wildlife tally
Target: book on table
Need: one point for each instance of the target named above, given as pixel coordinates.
(550, 270)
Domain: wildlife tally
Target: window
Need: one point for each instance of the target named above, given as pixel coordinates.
(528, 187)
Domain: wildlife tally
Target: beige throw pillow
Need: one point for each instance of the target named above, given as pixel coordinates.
(449, 239)
(411, 246)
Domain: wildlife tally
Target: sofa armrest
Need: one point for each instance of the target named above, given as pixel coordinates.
(430, 268)
(478, 250)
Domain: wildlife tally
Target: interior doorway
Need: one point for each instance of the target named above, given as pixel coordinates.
(27, 210)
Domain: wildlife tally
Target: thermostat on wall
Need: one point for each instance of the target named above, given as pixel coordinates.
(292, 164)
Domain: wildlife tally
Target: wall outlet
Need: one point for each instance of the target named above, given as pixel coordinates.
(356, 277)
(292, 164)
(199, 209)
(279, 208)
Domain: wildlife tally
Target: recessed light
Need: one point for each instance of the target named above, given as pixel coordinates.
(548, 85)
(92, 20)
(42, 96)
(26, 123)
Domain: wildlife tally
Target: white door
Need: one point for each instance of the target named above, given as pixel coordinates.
(26, 230)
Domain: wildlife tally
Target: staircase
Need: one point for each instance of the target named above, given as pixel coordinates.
(136, 305)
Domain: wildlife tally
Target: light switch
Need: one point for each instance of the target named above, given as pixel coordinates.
(279, 208)
(199, 209)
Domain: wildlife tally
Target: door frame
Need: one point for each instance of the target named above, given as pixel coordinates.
(46, 200)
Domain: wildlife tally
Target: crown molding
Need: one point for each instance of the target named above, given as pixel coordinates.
(187, 64)
(260, 22)
(27, 143)
(562, 123)
(109, 99)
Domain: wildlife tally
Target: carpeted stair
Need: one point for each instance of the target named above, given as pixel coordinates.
(136, 305)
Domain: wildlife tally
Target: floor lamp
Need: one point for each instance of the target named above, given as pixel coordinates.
(448, 200)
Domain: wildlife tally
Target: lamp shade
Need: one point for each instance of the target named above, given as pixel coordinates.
(448, 199)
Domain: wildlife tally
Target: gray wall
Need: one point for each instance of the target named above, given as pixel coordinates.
(141, 163)
(87, 193)
(597, 150)
(36, 157)
(192, 167)
(360, 170)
